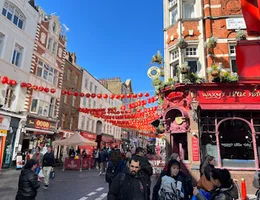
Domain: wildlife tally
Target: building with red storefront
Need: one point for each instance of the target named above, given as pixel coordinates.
(219, 118)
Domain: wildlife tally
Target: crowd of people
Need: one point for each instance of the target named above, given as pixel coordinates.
(129, 177)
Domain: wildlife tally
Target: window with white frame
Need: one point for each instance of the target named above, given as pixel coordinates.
(91, 86)
(71, 123)
(40, 107)
(54, 27)
(74, 101)
(54, 47)
(174, 69)
(85, 102)
(191, 56)
(9, 92)
(65, 98)
(49, 44)
(14, 14)
(95, 91)
(94, 104)
(47, 72)
(89, 103)
(52, 107)
(2, 39)
(76, 79)
(17, 55)
(86, 84)
(173, 14)
(93, 126)
(232, 57)
(172, 3)
(174, 55)
(188, 9)
(69, 72)
(82, 123)
(63, 120)
(87, 124)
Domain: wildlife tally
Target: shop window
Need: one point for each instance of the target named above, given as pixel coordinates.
(173, 15)
(8, 97)
(47, 72)
(236, 144)
(17, 55)
(208, 145)
(14, 14)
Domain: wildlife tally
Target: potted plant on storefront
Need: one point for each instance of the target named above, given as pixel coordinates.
(214, 71)
(184, 68)
(157, 58)
(212, 42)
(240, 35)
(182, 43)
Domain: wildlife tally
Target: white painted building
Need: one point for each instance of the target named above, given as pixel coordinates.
(18, 24)
(86, 121)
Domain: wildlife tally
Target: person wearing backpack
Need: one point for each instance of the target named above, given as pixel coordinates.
(115, 166)
(130, 185)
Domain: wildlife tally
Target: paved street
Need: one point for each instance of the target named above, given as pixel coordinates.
(68, 185)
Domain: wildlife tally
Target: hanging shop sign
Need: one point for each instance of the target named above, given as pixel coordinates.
(4, 122)
(41, 124)
(89, 136)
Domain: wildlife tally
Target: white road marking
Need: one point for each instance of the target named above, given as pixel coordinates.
(99, 189)
(91, 194)
(102, 196)
(83, 198)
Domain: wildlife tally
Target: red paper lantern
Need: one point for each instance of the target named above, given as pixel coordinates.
(99, 96)
(81, 94)
(64, 92)
(122, 96)
(93, 95)
(112, 96)
(128, 95)
(140, 94)
(69, 93)
(146, 94)
(13, 82)
(76, 94)
(134, 95)
(41, 88)
(5, 80)
(118, 96)
(28, 85)
(35, 87)
(46, 90)
(105, 96)
(53, 90)
(23, 84)
(88, 95)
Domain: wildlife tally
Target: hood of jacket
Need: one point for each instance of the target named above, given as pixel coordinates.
(232, 191)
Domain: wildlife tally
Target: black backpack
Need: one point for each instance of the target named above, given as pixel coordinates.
(110, 173)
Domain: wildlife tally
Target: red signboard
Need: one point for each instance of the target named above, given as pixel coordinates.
(195, 149)
(71, 163)
(228, 95)
(89, 136)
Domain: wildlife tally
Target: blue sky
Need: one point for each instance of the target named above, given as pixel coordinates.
(112, 38)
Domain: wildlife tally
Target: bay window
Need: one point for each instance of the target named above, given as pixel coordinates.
(47, 72)
(191, 56)
(232, 57)
(188, 9)
(173, 15)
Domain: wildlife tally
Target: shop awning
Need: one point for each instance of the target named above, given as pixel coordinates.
(230, 106)
(39, 131)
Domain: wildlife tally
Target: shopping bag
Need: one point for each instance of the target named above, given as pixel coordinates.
(52, 175)
(40, 174)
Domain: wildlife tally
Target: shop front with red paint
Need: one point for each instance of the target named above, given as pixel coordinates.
(91, 137)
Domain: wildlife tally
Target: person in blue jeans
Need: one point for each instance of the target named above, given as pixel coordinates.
(38, 159)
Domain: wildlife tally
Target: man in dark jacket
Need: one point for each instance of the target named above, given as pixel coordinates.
(47, 164)
(130, 185)
(103, 158)
(28, 182)
(146, 168)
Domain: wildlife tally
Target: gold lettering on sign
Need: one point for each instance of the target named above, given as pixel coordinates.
(213, 95)
(254, 94)
(232, 94)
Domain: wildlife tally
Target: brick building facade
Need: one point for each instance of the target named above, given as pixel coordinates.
(69, 114)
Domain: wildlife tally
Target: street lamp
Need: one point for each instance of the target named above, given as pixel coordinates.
(194, 108)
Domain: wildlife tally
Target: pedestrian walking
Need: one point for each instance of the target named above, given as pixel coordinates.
(103, 158)
(115, 166)
(96, 156)
(28, 182)
(173, 185)
(47, 164)
(224, 187)
(38, 157)
(146, 167)
(130, 185)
